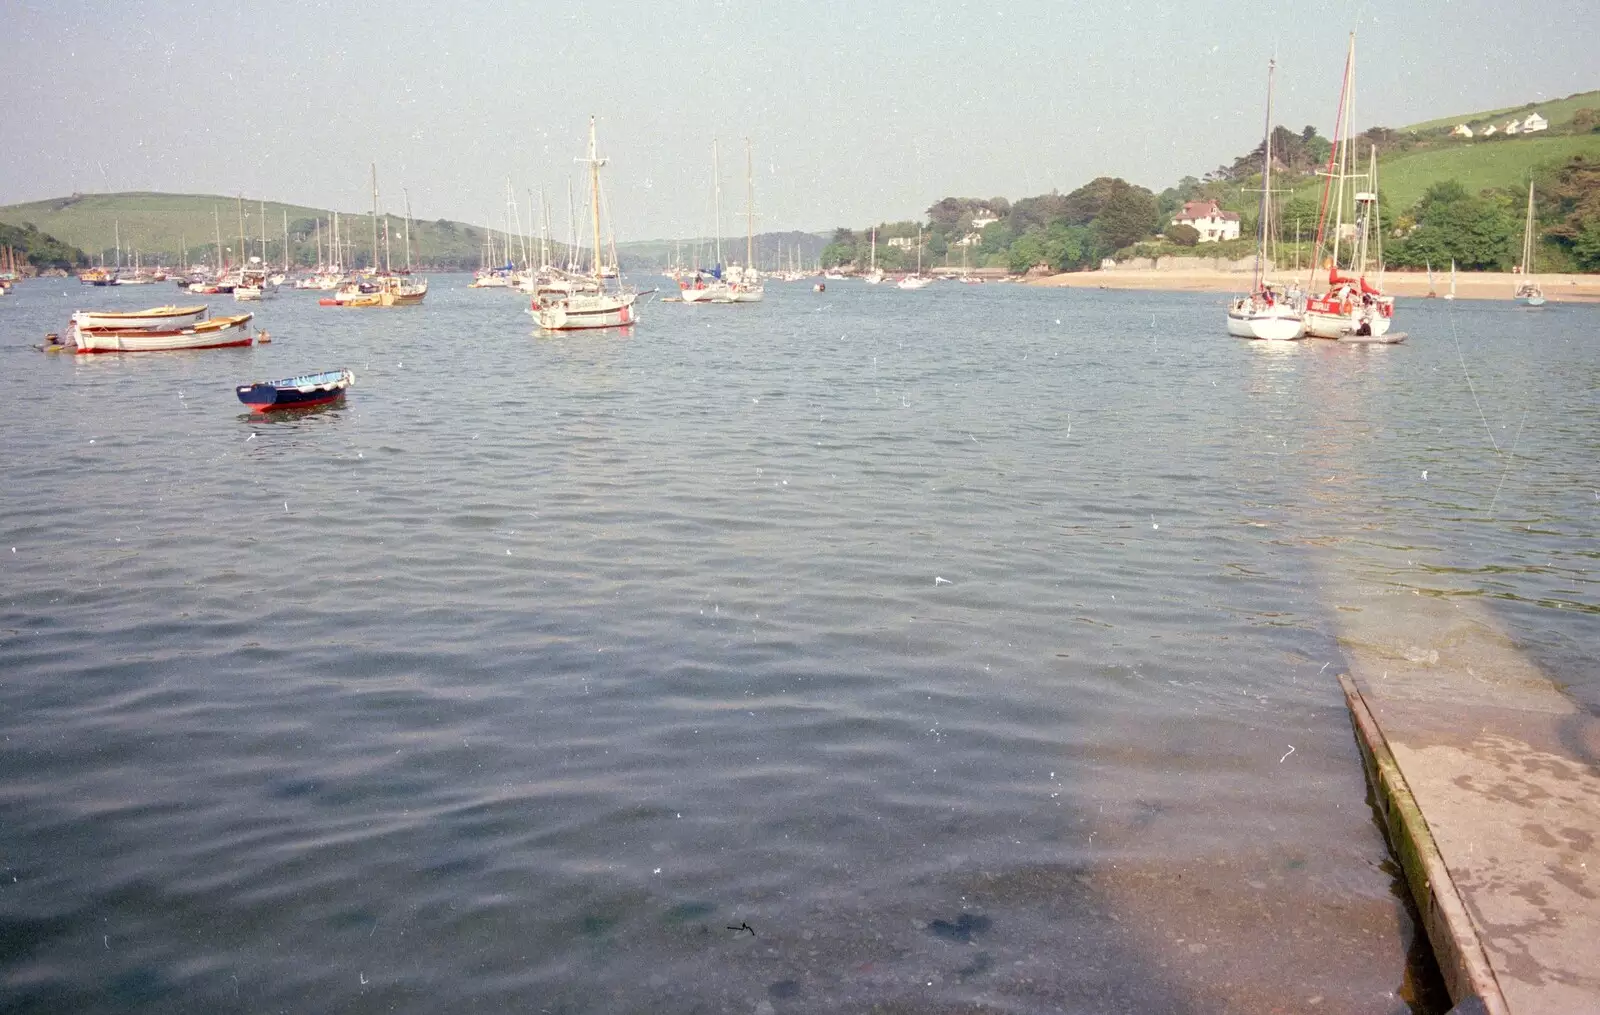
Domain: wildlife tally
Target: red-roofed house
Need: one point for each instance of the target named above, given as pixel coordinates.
(1209, 220)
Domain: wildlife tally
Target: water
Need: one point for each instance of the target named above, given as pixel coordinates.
(937, 651)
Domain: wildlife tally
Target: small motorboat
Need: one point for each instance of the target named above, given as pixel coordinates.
(296, 392)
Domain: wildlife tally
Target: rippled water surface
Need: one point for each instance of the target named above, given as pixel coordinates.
(970, 649)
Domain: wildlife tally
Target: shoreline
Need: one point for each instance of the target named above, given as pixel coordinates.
(1411, 284)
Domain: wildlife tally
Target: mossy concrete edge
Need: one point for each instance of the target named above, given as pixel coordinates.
(1456, 946)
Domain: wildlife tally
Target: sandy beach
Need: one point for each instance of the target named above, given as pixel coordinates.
(1469, 285)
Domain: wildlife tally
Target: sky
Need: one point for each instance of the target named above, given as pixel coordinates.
(857, 112)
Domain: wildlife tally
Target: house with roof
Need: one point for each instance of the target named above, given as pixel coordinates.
(1209, 220)
(1491, 130)
(1461, 130)
(1513, 127)
(1534, 122)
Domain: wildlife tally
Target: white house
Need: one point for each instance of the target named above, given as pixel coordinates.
(970, 240)
(984, 218)
(1513, 126)
(904, 242)
(1209, 220)
(1461, 130)
(1534, 122)
(1490, 130)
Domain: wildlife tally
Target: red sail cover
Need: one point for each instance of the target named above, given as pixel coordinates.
(1334, 278)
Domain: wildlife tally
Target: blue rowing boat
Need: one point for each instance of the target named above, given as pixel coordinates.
(296, 392)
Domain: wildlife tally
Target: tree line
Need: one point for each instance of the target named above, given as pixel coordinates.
(1110, 217)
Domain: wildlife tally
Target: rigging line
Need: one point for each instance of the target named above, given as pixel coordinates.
(1470, 386)
(1509, 461)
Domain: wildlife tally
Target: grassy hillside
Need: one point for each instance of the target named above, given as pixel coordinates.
(160, 225)
(1559, 113)
(1476, 165)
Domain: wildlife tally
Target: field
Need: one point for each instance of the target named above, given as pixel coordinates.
(1476, 165)
(1558, 112)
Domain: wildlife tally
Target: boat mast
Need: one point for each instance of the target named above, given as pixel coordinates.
(374, 216)
(1338, 159)
(716, 198)
(263, 235)
(1265, 211)
(595, 162)
(216, 220)
(750, 211)
(1527, 235)
(242, 250)
(286, 241)
(404, 193)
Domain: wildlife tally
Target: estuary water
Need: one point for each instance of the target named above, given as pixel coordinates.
(970, 649)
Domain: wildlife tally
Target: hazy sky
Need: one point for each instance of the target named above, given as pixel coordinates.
(858, 112)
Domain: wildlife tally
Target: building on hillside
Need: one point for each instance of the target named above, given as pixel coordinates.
(1461, 130)
(904, 242)
(1209, 220)
(1534, 122)
(1491, 130)
(984, 218)
(970, 240)
(1513, 127)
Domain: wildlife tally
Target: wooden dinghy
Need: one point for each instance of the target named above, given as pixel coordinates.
(296, 392)
(211, 333)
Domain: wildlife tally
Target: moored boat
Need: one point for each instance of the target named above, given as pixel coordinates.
(1528, 291)
(1351, 305)
(211, 333)
(296, 392)
(156, 318)
(589, 303)
(1268, 312)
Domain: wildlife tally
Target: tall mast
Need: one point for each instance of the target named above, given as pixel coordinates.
(716, 198)
(407, 196)
(1337, 170)
(544, 231)
(1265, 211)
(216, 220)
(572, 230)
(117, 225)
(595, 162)
(242, 251)
(286, 241)
(750, 211)
(263, 235)
(374, 216)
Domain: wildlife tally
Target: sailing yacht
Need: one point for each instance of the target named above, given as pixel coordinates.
(1351, 307)
(873, 275)
(1528, 290)
(747, 287)
(1269, 312)
(715, 289)
(589, 303)
(919, 280)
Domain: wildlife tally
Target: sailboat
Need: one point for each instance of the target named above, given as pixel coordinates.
(715, 289)
(1452, 293)
(747, 287)
(1269, 312)
(1351, 307)
(589, 304)
(873, 275)
(1528, 291)
(919, 280)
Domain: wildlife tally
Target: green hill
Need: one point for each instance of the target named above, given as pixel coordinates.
(175, 229)
(1558, 112)
(163, 227)
(1477, 166)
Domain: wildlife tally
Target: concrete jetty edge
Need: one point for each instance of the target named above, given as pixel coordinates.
(1456, 945)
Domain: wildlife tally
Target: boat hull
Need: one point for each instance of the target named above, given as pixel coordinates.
(586, 312)
(1266, 327)
(296, 392)
(716, 292)
(216, 333)
(155, 319)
